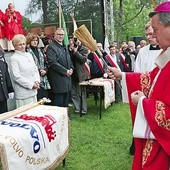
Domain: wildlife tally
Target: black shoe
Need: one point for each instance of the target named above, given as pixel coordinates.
(77, 111)
(132, 151)
(84, 112)
(132, 148)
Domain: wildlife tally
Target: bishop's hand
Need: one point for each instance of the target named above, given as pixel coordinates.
(135, 96)
(114, 73)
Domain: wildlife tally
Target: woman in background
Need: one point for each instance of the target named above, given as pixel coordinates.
(41, 63)
(24, 73)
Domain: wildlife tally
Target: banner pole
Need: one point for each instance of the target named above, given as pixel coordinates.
(59, 12)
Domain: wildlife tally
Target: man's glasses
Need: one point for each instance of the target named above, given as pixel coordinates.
(60, 34)
(20, 44)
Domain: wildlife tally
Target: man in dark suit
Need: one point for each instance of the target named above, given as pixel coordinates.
(5, 83)
(78, 55)
(60, 69)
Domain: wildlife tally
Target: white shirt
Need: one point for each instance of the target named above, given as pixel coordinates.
(145, 60)
(114, 58)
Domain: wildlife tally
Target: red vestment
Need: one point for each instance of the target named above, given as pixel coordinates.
(153, 154)
(2, 35)
(13, 24)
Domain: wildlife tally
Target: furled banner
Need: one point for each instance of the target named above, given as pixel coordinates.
(37, 138)
(62, 23)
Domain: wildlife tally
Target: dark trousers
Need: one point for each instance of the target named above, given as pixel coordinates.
(132, 148)
(118, 93)
(61, 99)
(3, 106)
(42, 93)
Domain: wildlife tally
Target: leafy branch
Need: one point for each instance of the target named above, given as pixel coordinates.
(124, 23)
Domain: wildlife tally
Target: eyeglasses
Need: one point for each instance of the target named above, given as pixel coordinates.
(60, 34)
(21, 44)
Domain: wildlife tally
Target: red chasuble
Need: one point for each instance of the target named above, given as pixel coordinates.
(2, 35)
(13, 24)
(152, 154)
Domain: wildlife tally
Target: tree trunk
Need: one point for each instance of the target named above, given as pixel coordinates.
(44, 8)
(120, 22)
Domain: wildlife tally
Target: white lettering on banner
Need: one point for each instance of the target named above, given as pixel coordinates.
(36, 161)
(15, 145)
(33, 132)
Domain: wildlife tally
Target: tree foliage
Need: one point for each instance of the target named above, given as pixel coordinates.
(134, 16)
(26, 22)
(130, 16)
(83, 10)
(91, 10)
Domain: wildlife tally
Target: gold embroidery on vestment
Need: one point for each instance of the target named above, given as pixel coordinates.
(160, 116)
(147, 150)
(145, 82)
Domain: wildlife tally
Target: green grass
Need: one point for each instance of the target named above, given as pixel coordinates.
(100, 144)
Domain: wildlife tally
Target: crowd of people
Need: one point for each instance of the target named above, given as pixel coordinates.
(61, 68)
(58, 69)
(56, 72)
